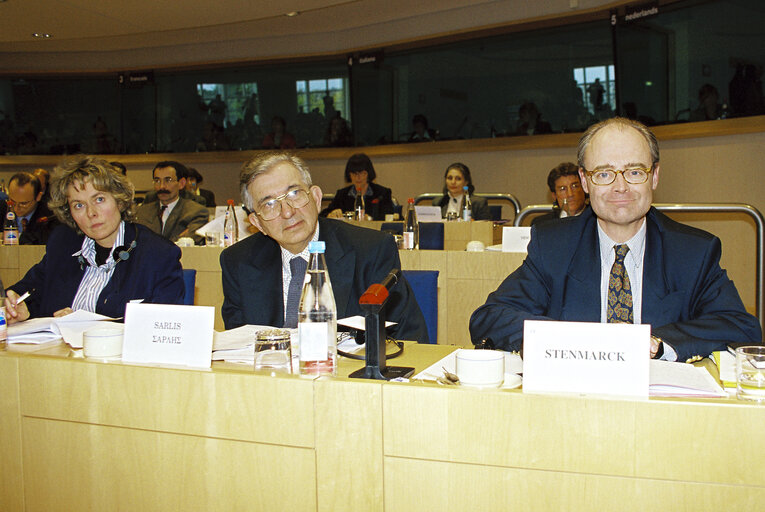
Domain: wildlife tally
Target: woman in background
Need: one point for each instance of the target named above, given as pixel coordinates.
(360, 173)
(99, 260)
(456, 177)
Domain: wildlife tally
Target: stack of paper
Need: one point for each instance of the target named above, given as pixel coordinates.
(682, 380)
(46, 329)
(726, 365)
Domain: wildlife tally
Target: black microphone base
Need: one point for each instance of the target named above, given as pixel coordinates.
(390, 372)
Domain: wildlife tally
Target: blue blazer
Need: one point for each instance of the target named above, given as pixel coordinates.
(356, 258)
(152, 272)
(687, 298)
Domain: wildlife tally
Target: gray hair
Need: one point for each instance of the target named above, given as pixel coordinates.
(621, 123)
(262, 163)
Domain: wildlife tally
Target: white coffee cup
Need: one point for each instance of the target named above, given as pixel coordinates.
(103, 342)
(475, 246)
(481, 368)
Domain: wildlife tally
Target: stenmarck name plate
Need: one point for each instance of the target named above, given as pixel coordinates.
(584, 357)
(168, 334)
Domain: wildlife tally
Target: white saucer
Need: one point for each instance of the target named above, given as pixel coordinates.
(512, 381)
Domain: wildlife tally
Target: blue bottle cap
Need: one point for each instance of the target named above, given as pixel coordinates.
(465, 187)
(314, 247)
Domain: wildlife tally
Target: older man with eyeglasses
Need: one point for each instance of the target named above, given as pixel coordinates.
(276, 188)
(621, 261)
(172, 215)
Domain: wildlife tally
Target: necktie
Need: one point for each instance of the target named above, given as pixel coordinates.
(24, 224)
(162, 218)
(297, 268)
(619, 308)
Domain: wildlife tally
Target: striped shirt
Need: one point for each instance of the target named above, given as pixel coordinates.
(96, 277)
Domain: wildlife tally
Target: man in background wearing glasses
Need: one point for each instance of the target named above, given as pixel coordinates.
(172, 216)
(621, 261)
(276, 188)
(33, 218)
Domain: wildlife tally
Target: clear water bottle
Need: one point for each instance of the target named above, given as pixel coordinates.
(317, 318)
(10, 230)
(467, 206)
(3, 319)
(411, 227)
(358, 206)
(230, 226)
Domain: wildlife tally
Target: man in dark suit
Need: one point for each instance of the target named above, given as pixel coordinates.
(276, 187)
(172, 216)
(33, 217)
(568, 195)
(674, 280)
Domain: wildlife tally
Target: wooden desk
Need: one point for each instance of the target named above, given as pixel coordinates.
(82, 435)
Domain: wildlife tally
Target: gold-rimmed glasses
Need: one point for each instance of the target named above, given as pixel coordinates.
(632, 175)
(271, 209)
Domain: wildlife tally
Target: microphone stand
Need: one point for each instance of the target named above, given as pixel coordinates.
(373, 302)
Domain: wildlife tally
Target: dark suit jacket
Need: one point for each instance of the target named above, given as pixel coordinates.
(356, 258)
(480, 206)
(376, 206)
(209, 197)
(41, 224)
(185, 219)
(152, 272)
(687, 298)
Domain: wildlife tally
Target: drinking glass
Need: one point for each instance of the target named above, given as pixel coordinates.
(750, 373)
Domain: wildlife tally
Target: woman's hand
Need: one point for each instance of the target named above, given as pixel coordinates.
(63, 312)
(15, 312)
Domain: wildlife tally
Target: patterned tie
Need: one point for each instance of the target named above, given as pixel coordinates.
(297, 268)
(619, 308)
(161, 218)
(24, 224)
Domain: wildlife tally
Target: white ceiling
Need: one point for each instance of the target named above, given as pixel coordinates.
(156, 32)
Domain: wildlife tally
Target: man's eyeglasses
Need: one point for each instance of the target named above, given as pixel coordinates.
(24, 204)
(574, 186)
(633, 175)
(271, 209)
(167, 180)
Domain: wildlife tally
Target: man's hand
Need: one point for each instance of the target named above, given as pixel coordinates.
(15, 312)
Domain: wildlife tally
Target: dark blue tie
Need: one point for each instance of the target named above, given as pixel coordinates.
(297, 268)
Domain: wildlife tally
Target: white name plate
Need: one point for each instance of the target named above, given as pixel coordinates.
(428, 213)
(168, 334)
(584, 357)
(515, 238)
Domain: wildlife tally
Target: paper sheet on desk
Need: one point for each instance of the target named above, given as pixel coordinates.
(513, 364)
(681, 380)
(216, 225)
(69, 327)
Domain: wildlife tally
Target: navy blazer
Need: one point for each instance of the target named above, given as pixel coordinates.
(152, 273)
(344, 201)
(687, 298)
(356, 258)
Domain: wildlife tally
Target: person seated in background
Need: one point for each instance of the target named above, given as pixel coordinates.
(172, 216)
(709, 104)
(193, 181)
(360, 173)
(621, 261)
(43, 176)
(34, 219)
(569, 199)
(420, 130)
(279, 137)
(456, 177)
(530, 121)
(99, 260)
(263, 274)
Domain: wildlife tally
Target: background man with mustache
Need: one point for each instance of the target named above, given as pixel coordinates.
(172, 216)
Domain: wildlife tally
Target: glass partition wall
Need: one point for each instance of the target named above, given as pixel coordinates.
(685, 61)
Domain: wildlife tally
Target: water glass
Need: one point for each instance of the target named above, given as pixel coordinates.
(452, 216)
(213, 239)
(273, 350)
(750, 373)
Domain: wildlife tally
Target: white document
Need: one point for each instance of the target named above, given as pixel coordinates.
(69, 327)
(168, 334)
(515, 238)
(428, 213)
(585, 357)
(216, 225)
(358, 322)
(682, 380)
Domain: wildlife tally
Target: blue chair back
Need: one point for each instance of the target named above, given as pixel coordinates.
(189, 281)
(424, 283)
(432, 236)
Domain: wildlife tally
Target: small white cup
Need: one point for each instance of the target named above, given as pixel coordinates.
(103, 342)
(481, 368)
(475, 246)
